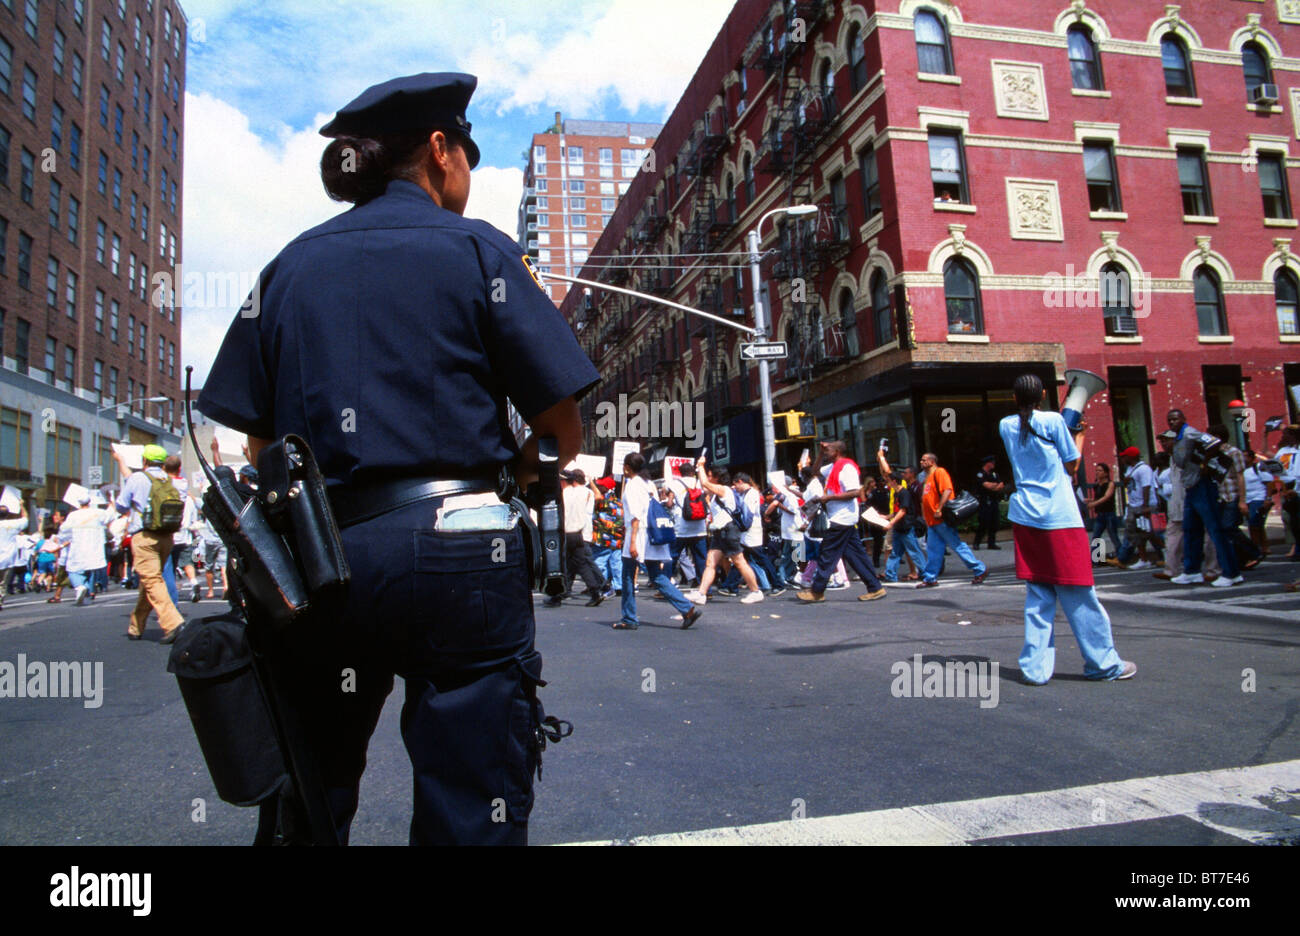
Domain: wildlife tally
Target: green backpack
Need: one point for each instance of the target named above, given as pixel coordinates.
(166, 507)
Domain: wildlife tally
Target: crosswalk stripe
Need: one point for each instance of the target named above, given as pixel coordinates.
(1229, 801)
(1145, 599)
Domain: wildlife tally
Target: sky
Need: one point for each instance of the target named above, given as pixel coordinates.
(264, 75)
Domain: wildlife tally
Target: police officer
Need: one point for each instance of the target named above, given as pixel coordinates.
(988, 490)
(390, 338)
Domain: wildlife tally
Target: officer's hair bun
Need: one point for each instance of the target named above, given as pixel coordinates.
(357, 169)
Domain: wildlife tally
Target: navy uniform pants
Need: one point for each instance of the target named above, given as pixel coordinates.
(451, 613)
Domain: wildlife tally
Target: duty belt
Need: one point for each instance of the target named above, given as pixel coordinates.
(355, 504)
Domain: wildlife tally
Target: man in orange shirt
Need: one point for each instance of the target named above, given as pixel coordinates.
(939, 535)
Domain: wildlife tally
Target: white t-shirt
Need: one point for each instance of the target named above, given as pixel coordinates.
(9, 531)
(579, 503)
(789, 520)
(843, 512)
(1256, 484)
(84, 529)
(753, 537)
(637, 493)
(720, 509)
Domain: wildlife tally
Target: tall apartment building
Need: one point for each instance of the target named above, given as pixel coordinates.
(576, 173)
(91, 131)
(1003, 187)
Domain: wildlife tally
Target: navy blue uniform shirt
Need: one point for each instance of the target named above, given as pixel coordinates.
(389, 338)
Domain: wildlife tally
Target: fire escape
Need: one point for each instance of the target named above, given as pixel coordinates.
(802, 121)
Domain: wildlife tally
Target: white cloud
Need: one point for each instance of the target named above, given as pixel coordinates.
(494, 196)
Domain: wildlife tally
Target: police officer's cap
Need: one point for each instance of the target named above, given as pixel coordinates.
(429, 101)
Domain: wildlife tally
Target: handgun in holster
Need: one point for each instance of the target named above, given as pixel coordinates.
(546, 498)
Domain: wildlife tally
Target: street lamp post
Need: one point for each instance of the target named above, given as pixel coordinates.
(760, 330)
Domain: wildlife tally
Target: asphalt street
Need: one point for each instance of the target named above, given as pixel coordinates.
(758, 715)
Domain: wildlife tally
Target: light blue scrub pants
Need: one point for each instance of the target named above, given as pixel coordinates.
(1088, 620)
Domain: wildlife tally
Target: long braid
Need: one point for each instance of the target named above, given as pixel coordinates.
(1028, 390)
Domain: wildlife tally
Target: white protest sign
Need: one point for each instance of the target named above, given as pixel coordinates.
(621, 451)
(11, 499)
(134, 454)
(592, 466)
(74, 494)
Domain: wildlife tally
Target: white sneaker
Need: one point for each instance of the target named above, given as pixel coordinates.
(1223, 581)
(1195, 578)
(695, 597)
(753, 597)
(1141, 564)
(81, 595)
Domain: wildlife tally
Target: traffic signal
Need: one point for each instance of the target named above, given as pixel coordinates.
(793, 426)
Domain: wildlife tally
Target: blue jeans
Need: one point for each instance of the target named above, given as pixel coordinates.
(1201, 516)
(939, 536)
(734, 580)
(609, 563)
(786, 567)
(904, 541)
(169, 576)
(657, 570)
(1107, 523)
(1088, 620)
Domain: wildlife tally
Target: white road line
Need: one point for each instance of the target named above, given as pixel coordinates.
(1228, 801)
(1211, 607)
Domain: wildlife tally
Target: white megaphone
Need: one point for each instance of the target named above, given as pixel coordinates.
(1083, 386)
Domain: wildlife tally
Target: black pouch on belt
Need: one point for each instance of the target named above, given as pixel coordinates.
(292, 492)
(213, 665)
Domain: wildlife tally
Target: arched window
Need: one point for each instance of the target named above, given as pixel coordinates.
(1255, 65)
(932, 51)
(1085, 65)
(849, 322)
(1210, 319)
(750, 192)
(1287, 296)
(857, 59)
(961, 291)
(882, 313)
(1115, 290)
(1178, 71)
(826, 79)
(730, 189)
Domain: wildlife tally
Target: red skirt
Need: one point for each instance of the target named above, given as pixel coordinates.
(1053, 557)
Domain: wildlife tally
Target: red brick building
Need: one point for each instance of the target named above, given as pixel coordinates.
(1005, 186)
(91, 135)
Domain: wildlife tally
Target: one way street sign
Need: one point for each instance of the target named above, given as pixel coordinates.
(764, 351)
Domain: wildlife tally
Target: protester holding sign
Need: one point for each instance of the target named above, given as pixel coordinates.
(639, 546)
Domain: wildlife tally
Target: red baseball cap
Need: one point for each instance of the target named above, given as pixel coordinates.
(1131, 452)
(606, 482)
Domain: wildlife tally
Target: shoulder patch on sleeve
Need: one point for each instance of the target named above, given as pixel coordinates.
(532, 271)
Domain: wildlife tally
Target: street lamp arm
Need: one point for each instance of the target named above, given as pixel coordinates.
(655, 299)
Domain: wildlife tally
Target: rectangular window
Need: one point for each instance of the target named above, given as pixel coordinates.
(60, 42)
(30, 20)
(22, 340)
(103, 173)
(4, 243)
(29, 94)
(1272, 184)
(117, 190)
(52, 283)
(98, 378)
(144, 342)
(162, 355)
(120, 71)
(578, 221)
(56, 201)
(6, 65)
(112, 383)
(114, 314)
(24, 260)
(74, 147)
(99, 311)
(577, 185)
(135, 151)
(15, 439)
(540, 185)
(1195, 185)
(51, 354)
(70, 294)
(870, 182)
(575, 154)
(101, 242)
(144, 165)
(130, 274)
(577, 204)
(78, 69)
(106, 40)
(135, 93)
(606, 155)
(103, 105)
(607, 204)
(130, 333)
(28, 178)
(70, 366)
(56, 127)
(4, 157)
(74, 219)
(171, 359)
(116, 255)
(118, 116)
(947, 167)
(1099, 172)
(539, 152)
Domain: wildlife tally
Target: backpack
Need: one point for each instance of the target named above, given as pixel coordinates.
(694, 508)
(742, 514)
(166, 507)
(659, 525)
